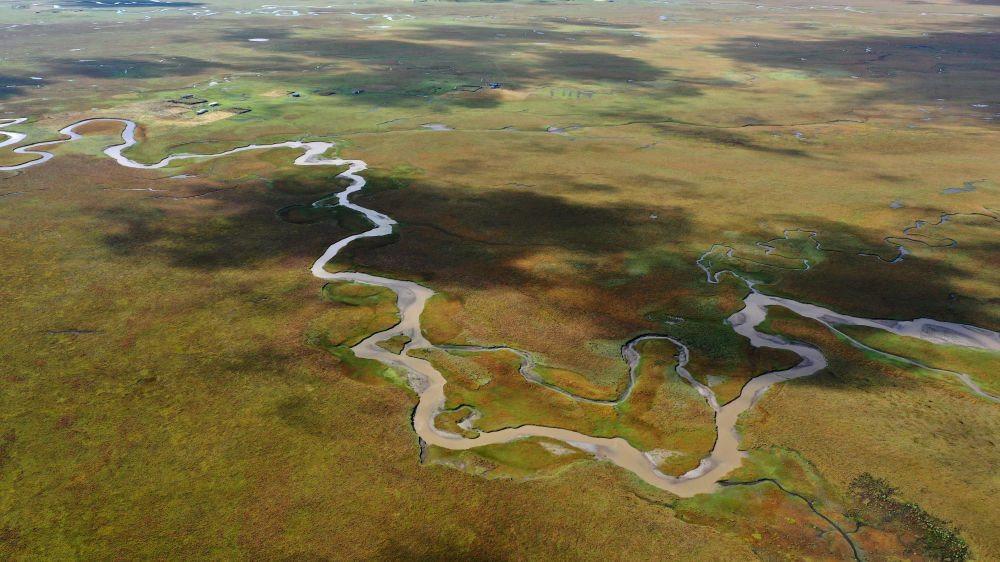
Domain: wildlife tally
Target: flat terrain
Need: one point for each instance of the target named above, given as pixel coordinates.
(565, 177)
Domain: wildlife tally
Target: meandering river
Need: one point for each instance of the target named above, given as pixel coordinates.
(429, 384)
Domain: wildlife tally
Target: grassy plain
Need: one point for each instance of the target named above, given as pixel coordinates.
(979, 364)
(923, 432)
(210, 407)
(193, 420)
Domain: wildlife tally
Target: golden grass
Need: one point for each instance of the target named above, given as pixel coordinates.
(979, 364)
(925, 434)
(198, 401)
(195, 422)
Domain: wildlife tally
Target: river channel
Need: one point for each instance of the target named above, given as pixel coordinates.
(429, 384)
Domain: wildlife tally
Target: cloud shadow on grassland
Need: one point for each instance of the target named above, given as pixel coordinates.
(959, 66)
(416, 70)
(238, 227)
(470, 59)
(508, 35)
(524, 241)
(134, 68)
(235, 228)
(865, 286)
(510, 237)
(242, 33)
(519, 219)
(15, 85)
(728, 138)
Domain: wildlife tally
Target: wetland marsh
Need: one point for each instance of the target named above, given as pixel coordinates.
(640, 262)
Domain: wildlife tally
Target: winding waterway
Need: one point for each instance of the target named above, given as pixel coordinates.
(429, 384)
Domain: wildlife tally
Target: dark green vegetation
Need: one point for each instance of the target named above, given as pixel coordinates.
(395, 344)
(878, 504)
(663, 415)
(176, 384)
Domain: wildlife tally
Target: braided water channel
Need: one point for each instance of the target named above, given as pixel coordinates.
(429, 384)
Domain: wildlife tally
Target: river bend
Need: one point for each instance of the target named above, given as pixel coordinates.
(429, 384)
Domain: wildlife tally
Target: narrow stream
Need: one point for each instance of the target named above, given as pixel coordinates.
(429, 384)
